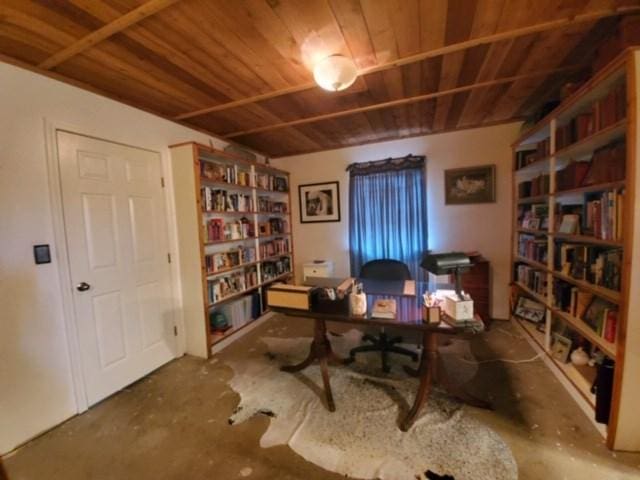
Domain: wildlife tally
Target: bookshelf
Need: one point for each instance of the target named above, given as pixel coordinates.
(234, 237)
(573, 248)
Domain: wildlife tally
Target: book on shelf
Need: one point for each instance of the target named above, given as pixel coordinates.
(531, 278)
(224, 173)
(539, 185)
(277, 246)
(222, 201)
(276, 183)
(532, 247)
(533, 216)
(569, 224)
(531, 154)
(607, 164)
(216, 230)
(266, 205)
(273, 226)
(230, 284)
(596, 265)
(602, 317)
(603, 113)
(384, 308)
(217, 261)
(275, 268)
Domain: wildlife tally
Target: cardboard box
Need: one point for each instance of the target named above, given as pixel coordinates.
(289, 296)
(458, 309)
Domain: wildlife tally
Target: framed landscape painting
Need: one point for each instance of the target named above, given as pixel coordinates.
(470, 185)
(319, 202)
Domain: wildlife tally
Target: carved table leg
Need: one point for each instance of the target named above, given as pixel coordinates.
(320, 350)
(426, 372)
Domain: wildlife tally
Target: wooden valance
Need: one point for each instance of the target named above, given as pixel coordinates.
(386, 165)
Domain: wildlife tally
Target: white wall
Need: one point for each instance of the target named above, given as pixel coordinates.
(482, 227)
(36, 389)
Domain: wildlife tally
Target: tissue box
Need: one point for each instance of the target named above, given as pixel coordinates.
(458, 309)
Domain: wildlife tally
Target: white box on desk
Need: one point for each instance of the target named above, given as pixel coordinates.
(458, 309)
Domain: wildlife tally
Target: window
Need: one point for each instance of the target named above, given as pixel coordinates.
(388, 212)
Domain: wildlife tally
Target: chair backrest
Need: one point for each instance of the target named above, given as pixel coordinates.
(385, 269)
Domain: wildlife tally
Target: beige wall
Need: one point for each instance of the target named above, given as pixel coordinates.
(482, 227)
(36, 388)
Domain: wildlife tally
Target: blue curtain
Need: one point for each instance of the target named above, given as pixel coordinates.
(388, 213)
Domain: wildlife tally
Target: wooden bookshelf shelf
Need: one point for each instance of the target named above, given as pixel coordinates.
(532, 232)
(275, 235)
(234, 296)
(609, 295)
(533, 263)
(542, 164)
(535, 199)
(591, 188)
(234, 240)
(266, 190)
(530, 292)
(598, 139)
(281, 214)
(275, 257)
(586, 331)
(210, 213)
(231, 269)
(586, 239)
(225, 186)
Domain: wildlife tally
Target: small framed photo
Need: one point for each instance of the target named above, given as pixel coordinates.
(319, 202)
(470, 185)
(530, 310)
(561, 348)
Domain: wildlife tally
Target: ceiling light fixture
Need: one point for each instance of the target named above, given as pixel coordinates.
(335, 73)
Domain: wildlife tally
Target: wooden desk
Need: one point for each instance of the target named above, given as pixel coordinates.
(409, 317)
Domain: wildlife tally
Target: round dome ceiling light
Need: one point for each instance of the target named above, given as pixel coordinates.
(335, 73)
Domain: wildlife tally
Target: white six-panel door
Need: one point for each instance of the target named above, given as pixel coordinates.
(117, 241)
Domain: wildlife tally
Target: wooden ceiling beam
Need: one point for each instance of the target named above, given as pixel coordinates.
(405, 101)
(134, 16)
(456, 47)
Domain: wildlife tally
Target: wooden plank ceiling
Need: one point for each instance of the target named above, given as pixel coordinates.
(242, 69)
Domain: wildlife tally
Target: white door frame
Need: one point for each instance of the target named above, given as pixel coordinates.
(61, 254)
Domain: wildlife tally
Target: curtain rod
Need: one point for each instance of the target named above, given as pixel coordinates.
(385, 161)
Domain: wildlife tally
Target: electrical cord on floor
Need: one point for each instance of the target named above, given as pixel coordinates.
(504, 360)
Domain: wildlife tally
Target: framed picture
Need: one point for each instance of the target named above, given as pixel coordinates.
(319, 202)
(530, 310)
(470, 185)
(561, 348)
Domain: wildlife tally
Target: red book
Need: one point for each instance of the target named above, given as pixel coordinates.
(611, 326)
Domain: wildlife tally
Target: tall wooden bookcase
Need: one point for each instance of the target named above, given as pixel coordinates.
(541, 252)
(234, 236)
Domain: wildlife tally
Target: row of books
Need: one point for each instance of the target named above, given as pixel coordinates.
(600, 266)
(217, 229)
(540, 185)
(222, 173)
(217, 261)
(600, 216)
(530, 155)
(607, 164)
(271, 182)
(603, 113)
(274, 268)
(533, 248)
(535, 280)
(273, 226)
(266, 205)
(231, 284)
(273, 247)
(600, 315)
(238, 312)
(223, 201)
(534, 216)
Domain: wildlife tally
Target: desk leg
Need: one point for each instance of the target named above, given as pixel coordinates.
(426, 372)
(320, 350)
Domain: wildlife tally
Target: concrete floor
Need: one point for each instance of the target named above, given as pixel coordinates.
(173, 424)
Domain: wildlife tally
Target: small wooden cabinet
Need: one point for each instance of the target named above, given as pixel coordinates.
(477, 283)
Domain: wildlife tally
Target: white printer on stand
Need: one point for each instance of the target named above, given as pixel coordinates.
(317, 268)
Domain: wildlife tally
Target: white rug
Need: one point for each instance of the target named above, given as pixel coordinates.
(361, 438)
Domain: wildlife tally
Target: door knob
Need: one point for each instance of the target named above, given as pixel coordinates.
(83, 287)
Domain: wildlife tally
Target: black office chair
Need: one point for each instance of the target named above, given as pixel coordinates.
(385, 269)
